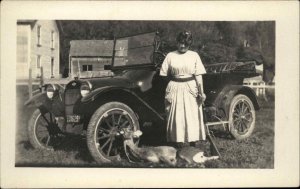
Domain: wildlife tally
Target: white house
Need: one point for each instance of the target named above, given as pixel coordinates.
(37, 47)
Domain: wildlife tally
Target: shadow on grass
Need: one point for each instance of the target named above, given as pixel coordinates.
(153, 136)
(68, 144)
(220, 133)
(78, 146)
(26, 145)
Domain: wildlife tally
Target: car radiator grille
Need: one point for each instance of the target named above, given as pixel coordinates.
(71, 97)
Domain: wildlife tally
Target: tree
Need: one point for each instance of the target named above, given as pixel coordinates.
(216, 42)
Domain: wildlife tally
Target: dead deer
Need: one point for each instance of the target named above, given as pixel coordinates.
(165, 154)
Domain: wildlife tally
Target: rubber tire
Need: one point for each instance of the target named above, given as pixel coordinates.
(91, 129)
(233, 131)
(31, 131)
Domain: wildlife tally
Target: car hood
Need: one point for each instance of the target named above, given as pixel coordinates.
(110, 81)
(126, 78)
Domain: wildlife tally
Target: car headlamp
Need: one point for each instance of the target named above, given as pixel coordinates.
(50, 90)
(85, 89)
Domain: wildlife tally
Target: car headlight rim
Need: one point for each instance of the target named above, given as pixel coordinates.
(50, 91)
(85, 89)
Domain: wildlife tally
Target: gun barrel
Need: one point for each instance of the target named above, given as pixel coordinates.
(213, 148)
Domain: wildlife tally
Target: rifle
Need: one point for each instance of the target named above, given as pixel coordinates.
(213, 148)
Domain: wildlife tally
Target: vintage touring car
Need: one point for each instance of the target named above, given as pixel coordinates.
(99, 108)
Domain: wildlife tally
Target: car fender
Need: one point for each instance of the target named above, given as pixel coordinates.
(105, 94)
(224, 98)
(96, 93)
(42, 102)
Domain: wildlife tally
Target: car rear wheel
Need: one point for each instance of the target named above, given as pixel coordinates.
(104, 132)
(43, 131)
(241, 117)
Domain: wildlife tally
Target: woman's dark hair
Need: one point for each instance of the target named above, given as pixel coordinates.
(185, 37)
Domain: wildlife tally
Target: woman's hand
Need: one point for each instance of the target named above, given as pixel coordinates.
(201, 98)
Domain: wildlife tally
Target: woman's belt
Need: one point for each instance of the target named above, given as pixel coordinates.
(179, 79)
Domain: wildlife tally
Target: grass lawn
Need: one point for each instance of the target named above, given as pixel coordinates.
(256, 151)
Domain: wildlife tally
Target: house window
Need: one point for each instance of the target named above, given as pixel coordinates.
(52, 40)
(39, 31)
(52, 67)
(87, 67)
(38, 61)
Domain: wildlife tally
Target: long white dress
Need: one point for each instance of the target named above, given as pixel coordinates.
(184, 120)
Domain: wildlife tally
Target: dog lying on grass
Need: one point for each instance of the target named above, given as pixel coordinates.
(162, 154)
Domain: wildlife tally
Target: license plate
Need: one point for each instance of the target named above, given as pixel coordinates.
(73, 118)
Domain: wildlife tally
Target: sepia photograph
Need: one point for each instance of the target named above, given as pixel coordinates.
(113, 93)
(145, 93)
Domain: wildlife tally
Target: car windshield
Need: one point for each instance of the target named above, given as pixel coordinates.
(134, 50)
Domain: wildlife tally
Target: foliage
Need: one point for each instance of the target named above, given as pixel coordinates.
(216, 53)
(215, 41)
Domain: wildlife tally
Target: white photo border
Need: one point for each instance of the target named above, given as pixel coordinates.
(286, 167)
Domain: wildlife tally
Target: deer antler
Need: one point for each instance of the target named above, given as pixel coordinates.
(126, 152)
(128, 141)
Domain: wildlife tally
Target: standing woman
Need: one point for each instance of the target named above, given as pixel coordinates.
(184, 114)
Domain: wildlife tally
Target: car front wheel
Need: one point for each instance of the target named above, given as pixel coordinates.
(104, 132)
(43, 131)
(241, 117)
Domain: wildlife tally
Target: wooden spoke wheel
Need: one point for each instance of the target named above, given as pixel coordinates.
(241, 117)
(106, 128)
(43, 131)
